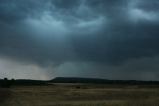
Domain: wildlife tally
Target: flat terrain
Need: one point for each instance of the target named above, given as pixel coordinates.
(80, 95)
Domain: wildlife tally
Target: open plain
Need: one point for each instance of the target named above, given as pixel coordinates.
(80, 95)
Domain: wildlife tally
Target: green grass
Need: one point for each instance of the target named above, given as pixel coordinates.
(86, 95)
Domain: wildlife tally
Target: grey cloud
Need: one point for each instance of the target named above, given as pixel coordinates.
(139, 69)
(116, 41)
(148, 5)
(56, 32)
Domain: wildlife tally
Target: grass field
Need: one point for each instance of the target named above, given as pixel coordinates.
(80, 95)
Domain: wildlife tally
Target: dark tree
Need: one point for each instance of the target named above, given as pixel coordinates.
(6, 83)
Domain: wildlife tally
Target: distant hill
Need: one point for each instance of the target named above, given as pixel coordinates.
(77, 80)
(29, 82)
(101, 81)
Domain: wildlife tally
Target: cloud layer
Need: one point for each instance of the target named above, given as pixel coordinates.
(68, 35)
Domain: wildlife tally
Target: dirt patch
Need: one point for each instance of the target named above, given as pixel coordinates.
(4, 95)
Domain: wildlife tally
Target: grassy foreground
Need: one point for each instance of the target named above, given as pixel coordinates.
(79, 95)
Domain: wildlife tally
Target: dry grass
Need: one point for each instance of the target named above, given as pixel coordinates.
(4, 95)
(71, 95)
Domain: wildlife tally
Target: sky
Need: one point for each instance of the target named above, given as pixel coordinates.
(111, 39)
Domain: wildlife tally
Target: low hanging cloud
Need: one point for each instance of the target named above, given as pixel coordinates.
(64, 36)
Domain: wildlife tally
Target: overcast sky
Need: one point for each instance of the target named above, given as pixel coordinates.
(112, 39)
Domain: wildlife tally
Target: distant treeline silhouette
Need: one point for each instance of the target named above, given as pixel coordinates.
(5, 83)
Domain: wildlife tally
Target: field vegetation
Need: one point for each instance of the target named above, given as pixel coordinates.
(80, 95)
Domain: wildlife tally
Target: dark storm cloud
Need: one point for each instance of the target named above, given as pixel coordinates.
(69, 4)
(15, 10)
(54, 32)
(121, 41)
